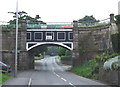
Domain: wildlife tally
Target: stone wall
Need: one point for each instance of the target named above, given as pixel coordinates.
(25, 58)
(111, 77)
(92, 41)
(0, 43)
(8, 46)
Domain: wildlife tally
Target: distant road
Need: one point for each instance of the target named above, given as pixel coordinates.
(49, 72)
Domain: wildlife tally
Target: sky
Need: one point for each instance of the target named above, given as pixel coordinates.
(60, 10)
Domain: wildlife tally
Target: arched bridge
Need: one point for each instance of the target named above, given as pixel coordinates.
(65, 35)
(61, 35)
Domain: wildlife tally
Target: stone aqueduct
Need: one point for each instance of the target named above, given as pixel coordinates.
(26, 58)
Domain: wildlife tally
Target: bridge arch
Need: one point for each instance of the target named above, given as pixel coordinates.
(67, 45)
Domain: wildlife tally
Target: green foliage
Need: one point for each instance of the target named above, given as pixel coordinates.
(64, 54)
(88, 69)
(88, 20)
(117, 17)
(59, 58)
(65, 57)
(40, 50)
(116, 42)
(106, 56)
(38, 58)
(67, 53)
(4, 78)
(95, 43)
(52, 51)
(26, 18)
(61, 51)
(94, 26)
(6, 31)
(98, 36)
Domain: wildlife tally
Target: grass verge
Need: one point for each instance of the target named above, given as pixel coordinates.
(4, 78)
(89, 69)
(38, 58)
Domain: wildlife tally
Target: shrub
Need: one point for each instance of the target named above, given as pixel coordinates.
(65, 57)
(61, 51)
(115, 42)
(88, 69)
(106, 56)
(67, 53)
(4, 78)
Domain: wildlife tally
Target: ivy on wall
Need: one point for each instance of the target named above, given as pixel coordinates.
(116, 42)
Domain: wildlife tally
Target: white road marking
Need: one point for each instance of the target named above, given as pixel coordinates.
(57, 75)
(71, 84)
(30, 82)
(63, 79)
(60, 76)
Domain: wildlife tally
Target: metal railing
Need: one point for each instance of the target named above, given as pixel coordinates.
(56, 25)
(100, 23)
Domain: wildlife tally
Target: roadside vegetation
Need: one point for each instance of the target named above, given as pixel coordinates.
(89, 69)
(38, 57)
(64, 54)
(52, 50)
(4, 78)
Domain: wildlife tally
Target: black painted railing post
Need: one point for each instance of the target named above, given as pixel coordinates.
(111, 18)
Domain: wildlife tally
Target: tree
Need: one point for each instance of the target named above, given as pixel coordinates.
(88, 20)
(40, 49)
(52, 50)
(117, 17)
(20, 13)
(26, 18)
(61, 51)
(37, 17)
(68, 53)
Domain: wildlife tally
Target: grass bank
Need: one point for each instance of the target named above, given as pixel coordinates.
(89, 69)
(4, 78)
(38, 58)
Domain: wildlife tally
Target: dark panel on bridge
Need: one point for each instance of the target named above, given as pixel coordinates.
(69, 45)
(49, 36)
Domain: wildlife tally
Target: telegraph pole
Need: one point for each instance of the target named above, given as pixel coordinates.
(16, 44)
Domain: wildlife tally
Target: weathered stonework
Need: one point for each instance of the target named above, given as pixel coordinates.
(75, 52)
(25, 57)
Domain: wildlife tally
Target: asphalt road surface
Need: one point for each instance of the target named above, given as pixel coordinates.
(49, 72)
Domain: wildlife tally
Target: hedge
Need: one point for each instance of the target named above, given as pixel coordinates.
(116, 42)
(65, 57)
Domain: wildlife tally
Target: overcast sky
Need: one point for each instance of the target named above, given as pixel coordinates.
(60, 10)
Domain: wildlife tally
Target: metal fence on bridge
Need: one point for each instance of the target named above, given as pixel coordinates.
(56, 25)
